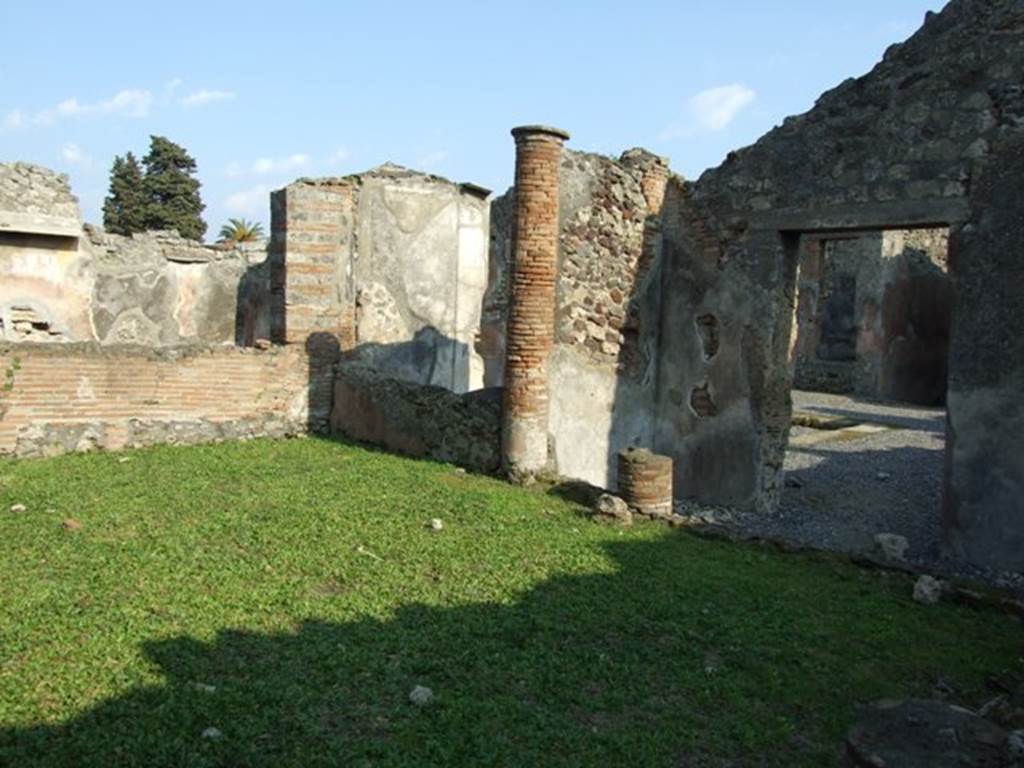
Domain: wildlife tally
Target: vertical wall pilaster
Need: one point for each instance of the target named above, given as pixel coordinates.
(311, 229)
(311, 234)
(531, 321)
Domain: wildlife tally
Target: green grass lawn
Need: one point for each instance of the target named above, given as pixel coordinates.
(291, 595)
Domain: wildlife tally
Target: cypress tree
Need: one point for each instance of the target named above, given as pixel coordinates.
(125, 207)
(171, 190)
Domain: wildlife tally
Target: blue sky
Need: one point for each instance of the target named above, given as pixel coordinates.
(263, 93)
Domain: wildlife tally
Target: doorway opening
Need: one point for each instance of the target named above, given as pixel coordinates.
(869, 357)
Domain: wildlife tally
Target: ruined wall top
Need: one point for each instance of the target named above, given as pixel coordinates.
(911, 132)
(394, 173)
(156, 246)
(34, 199)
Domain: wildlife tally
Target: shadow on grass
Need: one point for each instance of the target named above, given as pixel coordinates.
(577, 491)
(684, 654)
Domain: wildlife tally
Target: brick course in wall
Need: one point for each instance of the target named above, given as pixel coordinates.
(83, 396)
(531, 323)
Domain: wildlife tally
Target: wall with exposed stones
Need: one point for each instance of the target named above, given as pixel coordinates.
(873, 315)
(80, 396)
(62, 282)
(45, 287)
(418, 420)
(36, 199)
(897, 148)
(984, 499)
(392, 261)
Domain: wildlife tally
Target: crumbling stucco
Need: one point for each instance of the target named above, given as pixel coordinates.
(392, 260)
(62, 282)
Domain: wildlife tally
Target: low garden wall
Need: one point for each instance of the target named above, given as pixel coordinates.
(83, 396)
(418, 420)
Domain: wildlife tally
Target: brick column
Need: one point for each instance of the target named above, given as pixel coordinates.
(645, 482)
(531, 317)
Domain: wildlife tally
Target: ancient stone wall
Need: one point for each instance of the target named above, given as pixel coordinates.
(62, 282)
(76, 397)
(31, 193)
(607, 320)
(984, 499)
(157, 289)
(418, 420)
(391, 261)
(420, 273)
(895, 149)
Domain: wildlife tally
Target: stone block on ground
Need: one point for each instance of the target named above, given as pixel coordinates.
(612, 509)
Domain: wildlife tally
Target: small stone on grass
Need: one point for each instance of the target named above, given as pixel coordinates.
(892, 547)
(927, 590)
(213, 734)
(71, 525)
(1015, 745)
(611, 509)
(421, 696)
(17, 508)
(437, 524)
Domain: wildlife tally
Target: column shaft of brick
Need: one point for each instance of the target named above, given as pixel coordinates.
(645, 482)
(531, 321)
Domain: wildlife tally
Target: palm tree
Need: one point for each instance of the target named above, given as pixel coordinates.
(240, 231)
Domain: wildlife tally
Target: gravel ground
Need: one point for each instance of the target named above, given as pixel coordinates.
(845, 486)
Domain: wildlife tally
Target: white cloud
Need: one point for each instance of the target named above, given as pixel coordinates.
(253, 201)
(74, 155)
(205, 96)
(711, 110)
(14, 119)
(339, 156)
(293, 162)
(173, 84)
(432, 159)
(265, 166)
(130, 102)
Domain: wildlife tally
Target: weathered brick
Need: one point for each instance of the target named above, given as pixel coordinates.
(531, 322)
